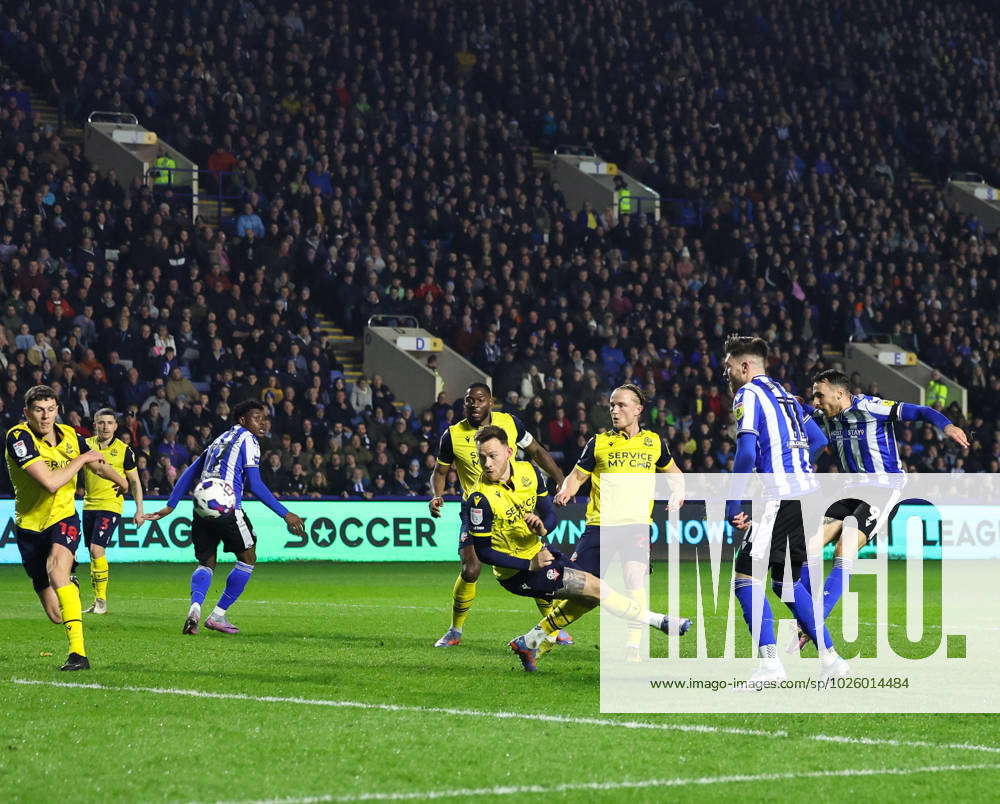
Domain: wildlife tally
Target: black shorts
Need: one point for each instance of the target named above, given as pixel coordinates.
(35, 546)
(545, 583)
(870, 517)
(99, 527)
(788, 538)
(634, 546)
(233, 531)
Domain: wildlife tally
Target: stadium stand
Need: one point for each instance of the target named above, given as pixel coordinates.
(392, 159)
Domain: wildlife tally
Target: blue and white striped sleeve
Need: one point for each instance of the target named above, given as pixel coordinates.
(746, 412)
(251, 452)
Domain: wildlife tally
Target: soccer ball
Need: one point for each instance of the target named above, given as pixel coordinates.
(213, 498)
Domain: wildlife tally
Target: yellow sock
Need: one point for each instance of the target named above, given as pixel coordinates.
(635, 629)
(462, 596)
(72, 616)
(621, 606)
(99, 576)
(544, 606)
(563, 613)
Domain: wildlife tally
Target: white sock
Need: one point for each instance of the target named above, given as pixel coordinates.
(195, 610)
(769, 657)
(535, 637)
(829, 657)
(218, 614)
(652, 619)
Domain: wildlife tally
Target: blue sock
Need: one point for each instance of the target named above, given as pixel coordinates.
(802, 609)
(804, 578)
(835, 583)
(201, 580)
(745, 590)
(235, 584)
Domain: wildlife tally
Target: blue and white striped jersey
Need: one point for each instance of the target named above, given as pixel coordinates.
(231, 453)
(862, 437)
(766, 409)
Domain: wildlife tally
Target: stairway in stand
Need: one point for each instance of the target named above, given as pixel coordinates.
(347, 348)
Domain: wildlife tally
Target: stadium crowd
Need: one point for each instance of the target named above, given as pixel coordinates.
(384, 161)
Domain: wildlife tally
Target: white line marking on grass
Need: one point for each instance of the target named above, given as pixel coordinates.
(582, 721)
(639, 784)
(438, 710)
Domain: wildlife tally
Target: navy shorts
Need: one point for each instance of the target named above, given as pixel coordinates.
(633, 547)
(99, 527)
(35, 546)
(545, 583)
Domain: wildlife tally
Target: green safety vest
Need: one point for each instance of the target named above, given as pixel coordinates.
(936, 392)
(624, 200)
(163, 165)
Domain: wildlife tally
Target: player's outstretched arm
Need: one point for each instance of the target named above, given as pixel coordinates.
(541, 457)
(54, 479)
(181, 487)
(923, 413)
(570, 486)
(257, 487)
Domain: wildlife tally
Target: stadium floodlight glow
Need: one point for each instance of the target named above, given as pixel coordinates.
(917, 622)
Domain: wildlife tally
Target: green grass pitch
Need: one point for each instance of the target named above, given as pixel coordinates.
(412, 722)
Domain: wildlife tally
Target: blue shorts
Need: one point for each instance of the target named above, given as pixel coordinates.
(545, 583)
(99, 527)
(587, 553)
(35, 546)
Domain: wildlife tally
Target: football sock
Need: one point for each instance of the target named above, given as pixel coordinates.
(72, 616)
(99, 576)
(627, 609)
(640, 596)
(746, 590)
(462, 596)
(236, 582)
(544, 606)
(201, 580)
(802, 610)
(562, 614)
(839, 577)
(805, 579)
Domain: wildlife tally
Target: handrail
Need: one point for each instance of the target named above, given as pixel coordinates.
(134, 121)
(382, 320)
(196, 195)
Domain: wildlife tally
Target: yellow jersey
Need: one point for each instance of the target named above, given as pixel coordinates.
(101, 494)
(614, 452)
(36, 509)
(498, 509)
(458, 446)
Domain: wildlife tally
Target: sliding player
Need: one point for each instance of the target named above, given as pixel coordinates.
(505, 517)
(458, 446)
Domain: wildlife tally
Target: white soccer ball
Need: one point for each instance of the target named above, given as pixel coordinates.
(214, 497)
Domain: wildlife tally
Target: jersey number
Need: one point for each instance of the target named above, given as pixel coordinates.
(798, 438)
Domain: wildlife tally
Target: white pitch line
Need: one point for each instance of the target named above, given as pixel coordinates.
(581, 721)
(639, 784)
(437, 710)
